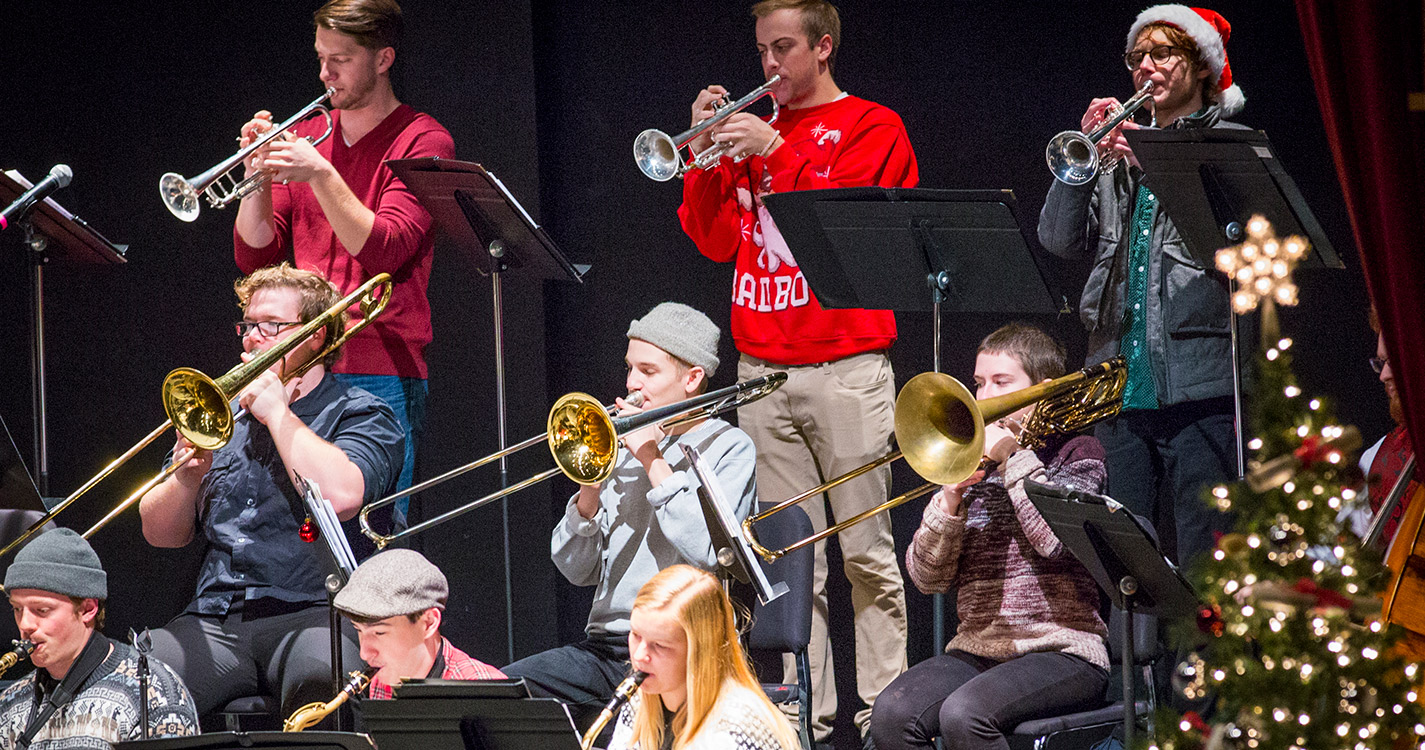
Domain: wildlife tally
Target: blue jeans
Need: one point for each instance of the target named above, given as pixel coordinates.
(406, 397)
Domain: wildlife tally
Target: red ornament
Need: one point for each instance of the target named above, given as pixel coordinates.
(1324, 597)
(1209, 620)
(1194, 720)
(1313, 450)
(308, 531)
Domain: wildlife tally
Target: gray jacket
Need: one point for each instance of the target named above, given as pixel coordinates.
(1189, 343)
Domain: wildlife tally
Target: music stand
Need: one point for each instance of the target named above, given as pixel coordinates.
(485, 222)
(20, 502)
(51, 233)
(913, 250)
(1210, 182)
(735, 558)
(468, 715)
(341, 563)
(1118, 550)
(245, 740)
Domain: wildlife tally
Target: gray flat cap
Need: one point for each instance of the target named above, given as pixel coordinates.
(394, 582)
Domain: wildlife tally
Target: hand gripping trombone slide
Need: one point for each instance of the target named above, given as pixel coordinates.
(203, 409)
(584, 439)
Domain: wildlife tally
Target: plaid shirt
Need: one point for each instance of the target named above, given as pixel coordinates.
(458, 666)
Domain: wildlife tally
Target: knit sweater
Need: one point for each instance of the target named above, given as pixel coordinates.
(105, 709)
(848, 142)
(740, 720)
(1018, 591)
(640, 529)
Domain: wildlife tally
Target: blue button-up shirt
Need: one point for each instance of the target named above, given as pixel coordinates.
(251, 513)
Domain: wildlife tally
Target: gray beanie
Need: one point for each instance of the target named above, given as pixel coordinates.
(392, 583)
(681, 331)
(59, 561)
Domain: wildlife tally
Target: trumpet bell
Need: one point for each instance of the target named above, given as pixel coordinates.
(582, 438)
(1072, 157)
(198, 408)
(656, 155)
(940, 430)
(179, 196)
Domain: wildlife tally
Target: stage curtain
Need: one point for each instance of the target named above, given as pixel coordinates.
(1365, 60)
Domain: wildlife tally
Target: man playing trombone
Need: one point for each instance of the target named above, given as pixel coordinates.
(258, 617)
(335, 208)
(647, 516)
(835, 412)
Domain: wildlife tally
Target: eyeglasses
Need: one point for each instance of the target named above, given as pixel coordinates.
(265, 328)
(1379, 363)
(1160, 54)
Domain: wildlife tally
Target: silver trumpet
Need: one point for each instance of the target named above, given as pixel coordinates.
(219, 185)
(1074, 157)
(659, 156)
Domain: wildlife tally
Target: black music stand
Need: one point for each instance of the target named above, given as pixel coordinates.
(1119, 552)
(20, 502)
(913, 250)
(735, 558)
(485, 221)
(245, 740)
(340, 563)
(1210, 182)
(469, 715)
(51, 233)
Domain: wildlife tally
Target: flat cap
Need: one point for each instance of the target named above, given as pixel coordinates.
(392, 583)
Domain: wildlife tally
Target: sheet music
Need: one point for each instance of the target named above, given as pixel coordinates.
(328, 524)
(510, 197)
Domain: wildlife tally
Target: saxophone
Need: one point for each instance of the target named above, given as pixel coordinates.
(622, 693)
(21, 650)
(311, 714)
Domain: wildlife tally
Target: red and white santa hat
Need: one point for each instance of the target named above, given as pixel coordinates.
(1210, 31)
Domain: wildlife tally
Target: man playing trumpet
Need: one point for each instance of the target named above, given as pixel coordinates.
(335, 208)
(259, 616)
(647, 516)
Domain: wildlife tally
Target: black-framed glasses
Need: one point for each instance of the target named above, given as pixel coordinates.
(1379, 363)
(1160, 54)
(267, 328)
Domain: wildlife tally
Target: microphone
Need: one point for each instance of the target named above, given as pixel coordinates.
(59, 176)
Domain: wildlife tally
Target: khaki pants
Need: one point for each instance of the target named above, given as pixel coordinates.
(828, 419)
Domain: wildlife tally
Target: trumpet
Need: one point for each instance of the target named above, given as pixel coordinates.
(659, 156)
(584, 440)
(180, 194)
(622, 694)
(1075, 158)
(20, 652)
(203, 409)
(940, 429)
(312, 714)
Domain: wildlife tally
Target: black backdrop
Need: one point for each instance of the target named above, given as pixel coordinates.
(549, 95)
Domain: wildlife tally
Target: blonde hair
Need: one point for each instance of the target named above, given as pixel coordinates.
(715, 657)
(318, 295)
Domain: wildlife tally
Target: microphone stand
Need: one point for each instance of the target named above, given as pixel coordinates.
(143, 643)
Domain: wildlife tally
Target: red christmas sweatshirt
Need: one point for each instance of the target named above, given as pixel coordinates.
(849, 142)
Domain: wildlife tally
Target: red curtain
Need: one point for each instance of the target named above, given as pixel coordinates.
(1365, 61)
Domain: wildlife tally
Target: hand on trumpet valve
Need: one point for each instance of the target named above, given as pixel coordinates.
(706, 105)
(746, 135)
(295, 160)
(1113, 146)
(251, 131)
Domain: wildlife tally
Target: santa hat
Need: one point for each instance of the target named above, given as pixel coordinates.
(1210, 31)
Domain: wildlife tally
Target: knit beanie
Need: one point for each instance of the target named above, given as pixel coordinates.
(392, 583)
(59, 561)
(681, 331)
(1210, 31)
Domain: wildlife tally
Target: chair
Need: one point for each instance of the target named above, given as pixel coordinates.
(262, 709)
(1083, 729)
(784, 625)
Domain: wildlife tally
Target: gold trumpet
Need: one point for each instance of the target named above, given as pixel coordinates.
(585, 442)
(940, 429)
(202, 410)
(20, 652)
(312, 714)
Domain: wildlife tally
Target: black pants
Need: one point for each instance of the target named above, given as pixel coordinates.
(582, 675)
(287, 656)
(1181, 450)
(973, 702)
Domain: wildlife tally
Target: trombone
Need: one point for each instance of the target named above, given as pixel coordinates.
(202, 408)
(584, 440)
(660, 156)
(940, 428)
(180, 194)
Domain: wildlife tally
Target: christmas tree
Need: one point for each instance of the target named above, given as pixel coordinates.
(1289, 648)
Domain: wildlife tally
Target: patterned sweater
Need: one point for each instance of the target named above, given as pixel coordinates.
(741, 720)
(106, 709)
(1018, 591)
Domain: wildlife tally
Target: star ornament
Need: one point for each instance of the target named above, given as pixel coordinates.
(1262, 266)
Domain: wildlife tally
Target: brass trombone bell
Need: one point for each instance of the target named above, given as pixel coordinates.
(940, 429)
(202, 409)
